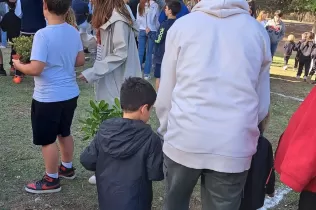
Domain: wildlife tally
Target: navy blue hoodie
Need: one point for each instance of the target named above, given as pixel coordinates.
(161, 40)
(32, 16)
(126, 156)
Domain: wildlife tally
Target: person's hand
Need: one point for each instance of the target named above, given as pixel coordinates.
(147, 30)
(271, 195)
(81, 77)
(16, 63)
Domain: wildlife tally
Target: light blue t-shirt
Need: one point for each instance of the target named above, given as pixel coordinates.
(58, 47)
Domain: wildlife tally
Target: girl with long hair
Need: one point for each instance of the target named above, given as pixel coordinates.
(147, 18)
(262, 18)
(117, 55)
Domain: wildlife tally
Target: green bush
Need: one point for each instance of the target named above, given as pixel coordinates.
(100, 112)
(23, 47)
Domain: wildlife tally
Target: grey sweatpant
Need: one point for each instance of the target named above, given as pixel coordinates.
(219, 191)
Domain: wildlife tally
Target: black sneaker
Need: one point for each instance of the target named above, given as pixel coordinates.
(66, 173)
(3, 72)
(46, 185)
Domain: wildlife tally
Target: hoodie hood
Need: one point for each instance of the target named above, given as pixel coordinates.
(122, 138)
(222, 8)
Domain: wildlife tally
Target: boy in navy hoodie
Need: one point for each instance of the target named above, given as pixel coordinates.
(172, 8)
(126, 154)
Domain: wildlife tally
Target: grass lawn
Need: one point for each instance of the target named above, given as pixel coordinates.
(21, 161)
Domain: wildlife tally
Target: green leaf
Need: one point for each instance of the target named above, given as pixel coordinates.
(93, 105)
(117, 102)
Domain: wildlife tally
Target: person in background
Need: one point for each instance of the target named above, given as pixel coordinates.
(133, 5)
(3, 11)
(56, 51)
(262, 18)
(295, 157)
(11, 24)
(127, 151)
(184, 11)
(199, 97)
(252, 8)
(81, 9)
(131, 13)
(2, 71)
(297, 49)
(261, 176)
(70, 18)
(147, 18)
(306, 50)
(32, 20)
(172, 8)
(117, 56)
(276, 30)
(289, 46)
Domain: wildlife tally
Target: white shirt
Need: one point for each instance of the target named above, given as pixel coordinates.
(209, 109)
(150, 17)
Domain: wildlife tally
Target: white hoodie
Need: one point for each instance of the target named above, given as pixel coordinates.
(215, 87)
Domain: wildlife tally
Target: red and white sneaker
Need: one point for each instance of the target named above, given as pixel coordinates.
(66, 173)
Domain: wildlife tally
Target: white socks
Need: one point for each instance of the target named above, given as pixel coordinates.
(54, 176)
(67, 165)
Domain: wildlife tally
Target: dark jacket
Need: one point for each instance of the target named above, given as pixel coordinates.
(32, 16)
(297, 48)
(288, 48)
(133, 4)
(126, 156)
(161, 39)
(306, 49)
(81, 10)
(261, 177)
(11, 24)
(184, 11)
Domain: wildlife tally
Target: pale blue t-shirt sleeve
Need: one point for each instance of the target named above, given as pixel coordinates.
(39, 48)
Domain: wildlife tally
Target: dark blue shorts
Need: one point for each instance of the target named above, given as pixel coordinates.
(157, 70)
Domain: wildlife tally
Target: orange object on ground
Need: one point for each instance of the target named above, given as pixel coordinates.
(17, 79)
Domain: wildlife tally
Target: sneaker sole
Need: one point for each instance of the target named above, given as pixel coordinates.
(68, 177)
(42, 191)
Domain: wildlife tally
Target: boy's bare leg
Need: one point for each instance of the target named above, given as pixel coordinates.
(66, 146)
(51, 158)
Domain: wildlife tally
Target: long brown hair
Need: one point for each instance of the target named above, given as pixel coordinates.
(103, 10)
(141, 7)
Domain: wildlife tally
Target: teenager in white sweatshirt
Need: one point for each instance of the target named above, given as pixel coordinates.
(209, 109)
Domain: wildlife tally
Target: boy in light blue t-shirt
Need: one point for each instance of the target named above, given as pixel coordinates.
(56, 51)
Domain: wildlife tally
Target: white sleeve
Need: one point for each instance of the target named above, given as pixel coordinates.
(263, 88)
(167, 83)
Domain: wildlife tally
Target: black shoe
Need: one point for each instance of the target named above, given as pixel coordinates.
(3, 72)
(66, 173)
(46, 185)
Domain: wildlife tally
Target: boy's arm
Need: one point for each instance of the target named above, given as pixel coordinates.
(270, 184)
(38, 57)
(161, 35)
(155, 160)
(89, 156)
(80, 59)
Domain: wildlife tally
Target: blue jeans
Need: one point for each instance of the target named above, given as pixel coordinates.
(144, 38)
(274, 47)
(4, 40)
